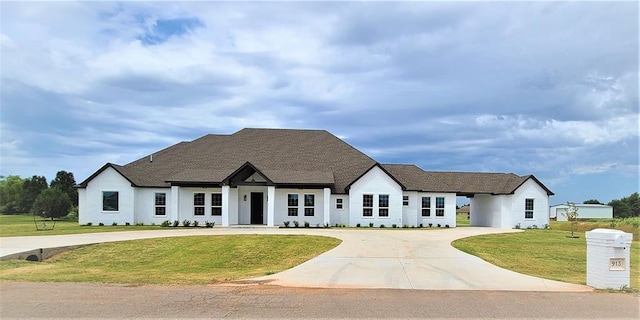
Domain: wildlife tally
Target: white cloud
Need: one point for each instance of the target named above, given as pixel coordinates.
(549, 88)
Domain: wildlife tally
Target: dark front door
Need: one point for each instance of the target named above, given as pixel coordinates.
(256, 207)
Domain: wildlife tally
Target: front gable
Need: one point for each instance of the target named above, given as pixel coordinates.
(247, 174)
(110, 168)
(375, 171)
(374, 184)
(534, 179)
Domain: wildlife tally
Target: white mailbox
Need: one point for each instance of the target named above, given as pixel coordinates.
(608, 261)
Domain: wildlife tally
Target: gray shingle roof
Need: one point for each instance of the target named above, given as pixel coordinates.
(284, 156)
(462, 183)
(295, 157)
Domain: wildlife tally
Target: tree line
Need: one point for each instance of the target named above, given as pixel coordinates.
(35, 195)
(622, 208)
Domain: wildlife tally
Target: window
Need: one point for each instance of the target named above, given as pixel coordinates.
(198, 204)
(405, 200)
(367, 205)
(426, 206)
(383, 205)
(161, 204)
(216, 204)
(439, 206)
(528, 208)
(339, 204)
(292, 202)
(309, 203)
(110, 201)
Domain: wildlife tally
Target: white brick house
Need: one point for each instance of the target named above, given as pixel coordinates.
(268, 176)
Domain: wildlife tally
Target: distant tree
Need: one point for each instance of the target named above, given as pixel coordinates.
(592, 201)
(572, 215)
(65, 182)
(10, 194)
(30, 191)
(52, 203)
(626, 207)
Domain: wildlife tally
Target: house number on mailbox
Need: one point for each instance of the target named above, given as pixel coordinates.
(617, 264)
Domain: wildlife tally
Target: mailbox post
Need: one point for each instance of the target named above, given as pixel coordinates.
(608, 261)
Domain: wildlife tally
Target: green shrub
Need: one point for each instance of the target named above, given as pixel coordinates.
(296, 223)
(73, 214)
(286, 224)
(394, 226)
(370, 224)
(195, 223)
(89, 224)
(114, 224)
(165, 223)
(176, 223)
(382, 226)
(446, 226)
(306, 224)
(439, 226)
(430, 225)
(127, 224)
(358, 225)
(186, 223)
(101, 224)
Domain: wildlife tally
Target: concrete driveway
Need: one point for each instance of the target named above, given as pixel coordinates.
(367, 258)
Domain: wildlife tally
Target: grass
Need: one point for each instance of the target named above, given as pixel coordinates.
(541, 253)
(630, 225)
(23, 225)
(167, 261)
(462, 220)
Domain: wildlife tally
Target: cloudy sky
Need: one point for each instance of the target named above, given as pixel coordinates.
(543, 88)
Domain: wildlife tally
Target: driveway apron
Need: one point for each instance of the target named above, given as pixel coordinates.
(367, 258)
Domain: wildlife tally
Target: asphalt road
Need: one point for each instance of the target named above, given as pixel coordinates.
(72, 300)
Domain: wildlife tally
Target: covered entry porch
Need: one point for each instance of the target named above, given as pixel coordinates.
(249, 197)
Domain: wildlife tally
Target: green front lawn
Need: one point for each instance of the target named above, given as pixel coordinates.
(541, 253)
(23, 225)
(183, 260)
(462, 220)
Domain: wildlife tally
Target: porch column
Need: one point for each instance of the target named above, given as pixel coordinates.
(327, 206)
(226, 202)
(271, 205)
(175, 203)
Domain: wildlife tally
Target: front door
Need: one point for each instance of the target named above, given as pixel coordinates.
(257, 207)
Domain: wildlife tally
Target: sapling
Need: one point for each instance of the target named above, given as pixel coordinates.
(572, 215)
